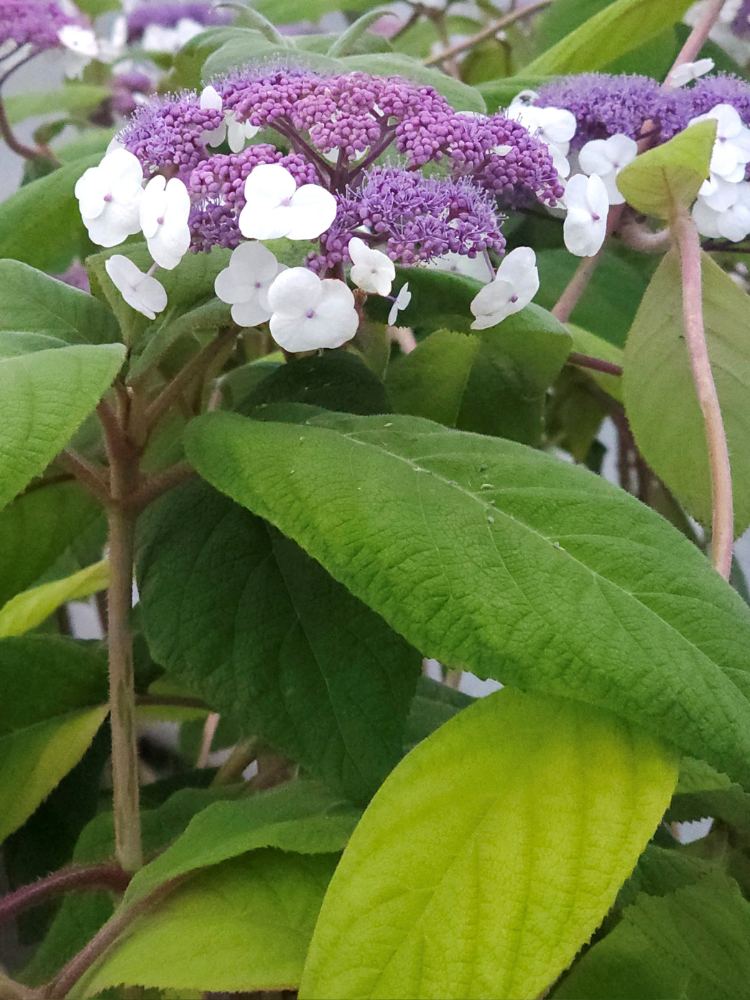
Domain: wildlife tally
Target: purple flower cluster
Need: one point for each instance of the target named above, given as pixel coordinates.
(605, 104)
(168, 15)
(127, 88)
(32, 22)
(169, 134)
(415, 218)
(741, 22)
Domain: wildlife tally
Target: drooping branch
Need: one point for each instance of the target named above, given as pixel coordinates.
(489, 31)
(72, 878)
(594, 364)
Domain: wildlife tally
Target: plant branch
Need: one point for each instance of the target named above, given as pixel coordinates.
(11, 990)
(722, 521)
(91, 477)
(487, 32)
(153, 487)
(594, 364)
(242, 755)
(71, 878)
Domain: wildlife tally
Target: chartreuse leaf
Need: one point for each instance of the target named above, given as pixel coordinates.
(619, 28)
(493, 557)
(242, 926)
(37, 528)
(660, 397)
(32, 302)
(31, 607)
(33, 760)
(301, 817)
(44, 398)
(41, 225)
(693, 943)
(244, 618)
(456, 884)
(660, 179)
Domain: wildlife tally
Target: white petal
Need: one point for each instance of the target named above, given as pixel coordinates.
(401, 302)
(90, 190)
(622, 150)
(268, 185)
(114, 224)
(265, 223)
(235, 134)
(250, 313)
(123, 169)
(216, 136)
(211, 99)
(558, 124)
(178, 201)
(594, 157)
(141, 291)
(687, 72)
(706, 219)
(596, 197)
(231, 287)
(295, 292)
(153, 294)
(313, 212)
(153, 205)
(583, 235)
(372, 270)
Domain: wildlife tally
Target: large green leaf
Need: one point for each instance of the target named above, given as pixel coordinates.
(41, 225)
(702, 791)
(32, 302)
(492, 383)
(660, 395)
(490, 556)
(243, 617)
(693, 944)
(37, 528)
(44, 398)
(30, 608)
(456, 884)
(619, 28)
(242, 926)
(33, 761)
(72, 97)
(301, 817)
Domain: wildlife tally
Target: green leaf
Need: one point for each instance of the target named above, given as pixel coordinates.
(660, 395)
(40, 224)
(336, 380)
(284, 11)
(692, 944)
(494, 382)
(432, 705)
(33, 761)
(456, 885)
(660, 179)
(30, 608)
(619, 28)
(492, 557)
(460, 95)
(301, 817)
(346, 43)
(702, 792)
(242, 926)
(251, 49)
(72, 97)
(44, 398)
(498, 94)
(243, 617)
(32, 302)
(37, 528)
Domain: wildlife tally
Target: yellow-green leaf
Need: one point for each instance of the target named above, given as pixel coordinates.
(31, 607)
(669, 175)
(490, 855)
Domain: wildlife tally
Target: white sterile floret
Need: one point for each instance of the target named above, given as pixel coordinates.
(514, 286)
(245, 282)
(235, 132)
(372, 270)
(164, 212)
(141, 291)
(606, 158)
(689, 71)
(80, 46)
(587, 205)
(555, 127)
(308, 313)
(731, 150)
(725, 214)
(157, 38)
(275, 207)
(109, 197)
(468, 267)
(400, 303)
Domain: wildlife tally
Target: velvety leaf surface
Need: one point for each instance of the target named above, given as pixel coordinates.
(660, 396)
(245, 619)
(241, 926)
(492, 557)
(44, 398)
(456, 884)
(693, 944)
(301, 817)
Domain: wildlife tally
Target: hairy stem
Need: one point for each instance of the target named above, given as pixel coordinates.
(88, 475)
(11, 990)
(594, 364)
(74, 877)
(242, 755)
(722, 520)
(487, 32)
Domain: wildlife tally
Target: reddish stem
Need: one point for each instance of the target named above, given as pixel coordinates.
(595, 364)
(104, 876)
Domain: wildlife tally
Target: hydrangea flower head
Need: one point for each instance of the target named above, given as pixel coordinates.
(33, 22)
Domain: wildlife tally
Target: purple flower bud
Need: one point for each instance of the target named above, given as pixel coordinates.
(32, 22)
(705, 93)
(170, 133)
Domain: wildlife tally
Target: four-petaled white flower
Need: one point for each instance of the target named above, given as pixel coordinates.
(141, 291)
(731, 150)
(275, 207)
(372, 271)
(109, 196)
(587, 205)
(244, 284)
(80, 46)
(689, 71)
(514, 286)
(725, 213)
(308, 313)
(235, 132)
(555, 127)
(606, 158)
(164, 212)
(400, 303)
